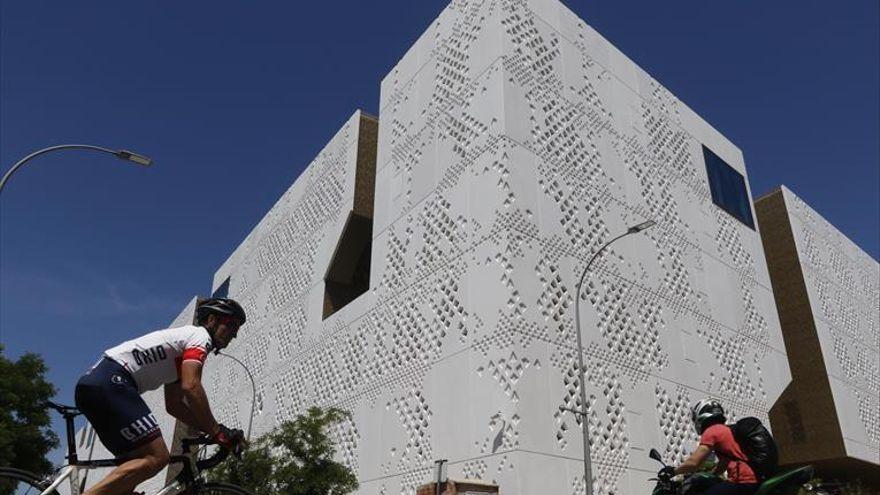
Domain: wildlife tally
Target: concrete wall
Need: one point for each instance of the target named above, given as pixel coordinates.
(514, 140)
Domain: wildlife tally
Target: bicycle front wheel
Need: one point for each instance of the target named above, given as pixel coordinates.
(213, 488)
(17, 482)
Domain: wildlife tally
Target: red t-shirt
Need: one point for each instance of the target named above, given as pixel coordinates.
(720, 439)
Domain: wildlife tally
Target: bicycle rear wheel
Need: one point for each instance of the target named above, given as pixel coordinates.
(17, 482)
(213, 488)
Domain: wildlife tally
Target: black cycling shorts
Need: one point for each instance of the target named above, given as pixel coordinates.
(110, 400)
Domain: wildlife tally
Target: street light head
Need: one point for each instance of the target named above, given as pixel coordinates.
(642, 226)
(133, 157)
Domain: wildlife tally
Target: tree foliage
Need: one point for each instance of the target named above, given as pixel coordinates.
(25, 434)
(296, 458)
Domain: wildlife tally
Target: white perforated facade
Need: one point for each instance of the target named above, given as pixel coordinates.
(513, 141)
(844, 283)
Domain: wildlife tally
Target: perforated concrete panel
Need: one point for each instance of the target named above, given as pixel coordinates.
(836, 415)
(514, 141)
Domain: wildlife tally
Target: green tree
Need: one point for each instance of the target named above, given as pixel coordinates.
(25, 434)
(296, 458)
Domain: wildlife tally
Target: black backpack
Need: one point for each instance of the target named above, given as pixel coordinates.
(758, 445)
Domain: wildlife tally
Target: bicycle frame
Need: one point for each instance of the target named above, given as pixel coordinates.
(71, 472)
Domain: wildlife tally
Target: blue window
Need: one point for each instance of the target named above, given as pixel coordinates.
(222, 290)
(728, 188)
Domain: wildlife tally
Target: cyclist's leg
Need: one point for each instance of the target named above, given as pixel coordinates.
(110, 401)
(146, 461)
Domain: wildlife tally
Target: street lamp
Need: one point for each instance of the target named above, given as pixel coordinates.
(588, 475)
(121, 154)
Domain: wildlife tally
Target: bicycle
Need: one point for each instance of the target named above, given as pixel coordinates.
(189, 481)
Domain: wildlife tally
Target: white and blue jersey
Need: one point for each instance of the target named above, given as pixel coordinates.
(154, 359)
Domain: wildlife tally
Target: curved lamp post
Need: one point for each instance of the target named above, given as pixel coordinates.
(121, 154)
(253, 390)
(588, 475)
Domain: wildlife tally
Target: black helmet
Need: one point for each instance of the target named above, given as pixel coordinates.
(706, 413)
(222, 306)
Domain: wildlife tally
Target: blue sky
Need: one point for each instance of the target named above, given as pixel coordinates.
(233, 99)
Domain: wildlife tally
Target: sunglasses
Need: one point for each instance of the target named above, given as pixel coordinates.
(231, 322)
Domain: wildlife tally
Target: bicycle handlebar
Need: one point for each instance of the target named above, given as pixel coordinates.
(210, 462)
(186, 443)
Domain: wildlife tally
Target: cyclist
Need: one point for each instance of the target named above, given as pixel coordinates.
(109, 394)
(716, 437)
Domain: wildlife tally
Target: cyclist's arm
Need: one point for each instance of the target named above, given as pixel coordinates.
(196, 399)
(176, 406)
(693, 463)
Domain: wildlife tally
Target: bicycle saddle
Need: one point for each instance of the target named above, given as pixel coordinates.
(64, 410)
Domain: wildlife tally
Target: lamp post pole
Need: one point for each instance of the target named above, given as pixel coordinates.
(582, 373)
(253, 390)
(121, 154)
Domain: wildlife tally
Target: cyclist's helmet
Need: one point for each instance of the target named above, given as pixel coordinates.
(705, 413)
(220, 305)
